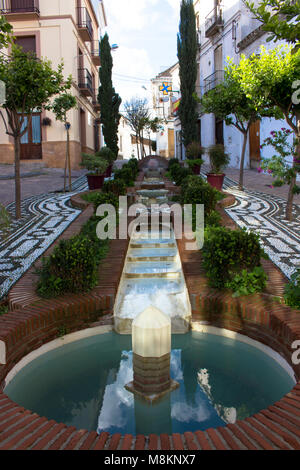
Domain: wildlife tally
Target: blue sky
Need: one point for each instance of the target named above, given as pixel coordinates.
(146, 33)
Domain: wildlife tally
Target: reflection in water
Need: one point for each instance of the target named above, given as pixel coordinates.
(122, 409)
(227, 414)
(82, 384)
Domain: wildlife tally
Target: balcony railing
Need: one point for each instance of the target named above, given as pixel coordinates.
(213, 80)
(214, 21)
(84, 23)
(85, 82)
(95, 52)
(19, 7)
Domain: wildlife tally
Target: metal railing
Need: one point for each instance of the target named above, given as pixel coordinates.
(213, 80)
(85, 80)
(20, 6)
(84, 20)
(214, 19)
(95, 101)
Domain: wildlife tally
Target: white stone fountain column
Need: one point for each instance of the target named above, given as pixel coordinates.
(151, 345)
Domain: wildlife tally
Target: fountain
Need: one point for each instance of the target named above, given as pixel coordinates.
(151, 346)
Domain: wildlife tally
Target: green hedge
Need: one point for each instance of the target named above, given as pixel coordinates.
(226, 253)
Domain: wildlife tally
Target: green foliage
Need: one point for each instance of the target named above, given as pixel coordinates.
(70, 268)
(128, 173)
(213, 219)
(115, 186)
(6, 31)
(3, 309)
(173, 161)
(109, 100)
(277, 165)
(219, 159)
(134, 164)
(94, 164)
(107, 154)
(5, 222)
(196, 162)
(194, 190)
(292, 291)
(98, 198)
(187, 50)
(178, 173)
(227, 252)
(247, 283)
(276, 17)
(62, 104)
(73, 265)
(194, 151)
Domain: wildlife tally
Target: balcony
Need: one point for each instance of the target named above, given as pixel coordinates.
(214, 21)
(15, 10)
(85, 82)
(95, 101)
(95, 52)
(84, 24)
(213, 80)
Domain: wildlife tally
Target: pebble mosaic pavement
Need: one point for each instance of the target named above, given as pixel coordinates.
(265, 215)
(45, 217)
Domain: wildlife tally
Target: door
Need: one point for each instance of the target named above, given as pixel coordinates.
(254, 137)
(219, 127)
(171, 143)
(31, 141)
(82, 130)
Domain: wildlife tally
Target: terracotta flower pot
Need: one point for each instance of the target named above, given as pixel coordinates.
(196, 169)
(95, 181)
(216, 180)
(108, 171)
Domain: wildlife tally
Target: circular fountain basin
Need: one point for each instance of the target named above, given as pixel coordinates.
(82, 383)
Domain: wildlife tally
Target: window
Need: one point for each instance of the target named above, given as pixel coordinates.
(28, 43)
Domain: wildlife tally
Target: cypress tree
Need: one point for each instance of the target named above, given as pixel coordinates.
(109, 100)
(187, 48)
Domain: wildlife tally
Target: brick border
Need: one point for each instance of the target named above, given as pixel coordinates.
(35, 322)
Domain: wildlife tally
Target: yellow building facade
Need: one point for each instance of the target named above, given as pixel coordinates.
(56, 30)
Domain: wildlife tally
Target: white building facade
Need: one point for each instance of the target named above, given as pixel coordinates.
(226, 28)
(165, 92)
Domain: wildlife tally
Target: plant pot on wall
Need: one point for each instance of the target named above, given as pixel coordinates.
(216, 180)
(108, 172)
(95, 181)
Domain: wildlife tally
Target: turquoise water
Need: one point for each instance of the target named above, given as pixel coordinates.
(82, 384)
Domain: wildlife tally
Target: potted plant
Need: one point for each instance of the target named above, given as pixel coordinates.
(110, 157)
(96, 167)
(219, 160)
(194, 152)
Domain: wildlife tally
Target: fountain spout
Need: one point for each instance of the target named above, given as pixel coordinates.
(151, 344)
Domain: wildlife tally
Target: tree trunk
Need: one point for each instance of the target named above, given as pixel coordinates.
(137, 145)
(17, 176)
(289, 206)
(241, 180)
(69, 160)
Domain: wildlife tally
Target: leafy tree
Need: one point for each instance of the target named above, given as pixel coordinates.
(61, 105)
(109, 100)
(30, 83)
(273, 76)
(187, 49)
(137, 114)
(229, 102)
(153, 125)
(5, 32)
(280, 18)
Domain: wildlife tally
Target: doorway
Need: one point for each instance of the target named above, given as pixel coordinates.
(31, 141)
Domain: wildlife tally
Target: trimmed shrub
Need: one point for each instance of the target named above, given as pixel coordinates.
(127, 174)
(116, 186)
(292, 291)
(195, 190)
(178, 173)
(99, 197)
(72, 267)
(227, 252)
